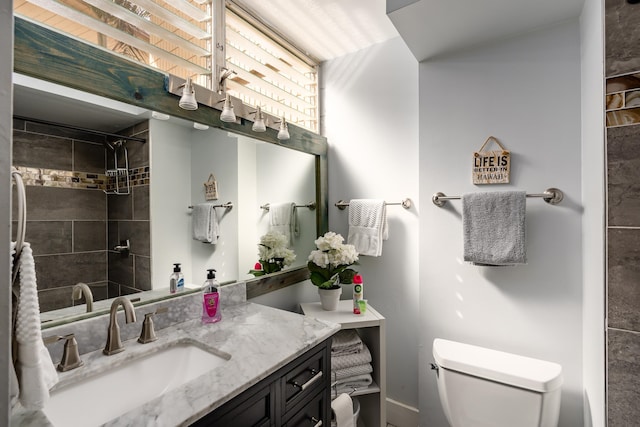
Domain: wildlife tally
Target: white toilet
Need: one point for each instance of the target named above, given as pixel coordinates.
(480, 387)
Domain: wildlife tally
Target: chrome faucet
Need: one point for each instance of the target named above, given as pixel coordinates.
(114, 345)
(82, 290)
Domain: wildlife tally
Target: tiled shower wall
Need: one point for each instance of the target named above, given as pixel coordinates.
(622, 46)
(72, 224)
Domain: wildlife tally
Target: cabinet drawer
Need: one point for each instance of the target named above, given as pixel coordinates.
(253, 408)
(312, 414)
(303, 380)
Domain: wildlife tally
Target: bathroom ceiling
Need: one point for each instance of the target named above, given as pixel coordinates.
(331, 28)
(326, 29)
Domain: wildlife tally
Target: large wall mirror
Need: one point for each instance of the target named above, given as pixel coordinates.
(252, 170)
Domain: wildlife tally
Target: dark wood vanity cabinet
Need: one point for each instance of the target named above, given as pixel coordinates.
(297, 395)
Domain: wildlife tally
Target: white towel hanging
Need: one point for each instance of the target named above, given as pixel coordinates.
(368, 225)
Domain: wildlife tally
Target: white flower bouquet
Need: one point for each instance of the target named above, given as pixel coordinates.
(329, 264)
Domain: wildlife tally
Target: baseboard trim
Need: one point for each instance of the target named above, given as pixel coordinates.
(401, 415)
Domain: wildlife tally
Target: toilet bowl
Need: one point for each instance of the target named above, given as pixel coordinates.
(480, 387)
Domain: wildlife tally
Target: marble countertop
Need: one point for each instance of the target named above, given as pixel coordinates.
(260, 340)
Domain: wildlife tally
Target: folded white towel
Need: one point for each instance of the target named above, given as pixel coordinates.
(205, 223)
(348, 385)
(342, 407)
(345, 342)
(349, 360)
(35, 370)
(368, 225)
(341, 374)
(283, 218)
(493, 226)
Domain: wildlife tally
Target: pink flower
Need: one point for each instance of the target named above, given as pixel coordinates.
(258, 266)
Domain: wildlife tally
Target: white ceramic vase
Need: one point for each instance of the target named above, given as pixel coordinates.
(329, 298)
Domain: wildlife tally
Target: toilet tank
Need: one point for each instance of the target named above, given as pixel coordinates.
(482, 387)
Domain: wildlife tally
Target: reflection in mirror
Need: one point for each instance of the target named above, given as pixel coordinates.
(249, 173)
(74, 227)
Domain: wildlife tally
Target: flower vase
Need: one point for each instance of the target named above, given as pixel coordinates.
(329, 298)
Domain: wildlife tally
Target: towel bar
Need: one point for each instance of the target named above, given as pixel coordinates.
(406, 203)
(310, 205)
(228, 205)
(553, 196)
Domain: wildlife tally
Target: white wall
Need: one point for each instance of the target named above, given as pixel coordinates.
(524, 91)
(370, 108)
(213, 151)
(181, 160)
(593, 222)
(6, 113)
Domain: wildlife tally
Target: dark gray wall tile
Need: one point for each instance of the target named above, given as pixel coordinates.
(622, 24)
(120, 207)
(142, 272)
(141, 202)
(113, 289)
(88, 157)
(18, 124)
(51, 203)
(99, 290)
(623, 165)
(624, 278)
(121, 269)
(41, 151)
(47, 237)
(54, 299)
(54, 271)
(63, 132)
(89, 236)
(624, 378)
(138, 233)
(112, 239)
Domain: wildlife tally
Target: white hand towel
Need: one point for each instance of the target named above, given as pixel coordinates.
(205, 223)
(368, 226)
(342, 407)
(14, 390)
(493, 226)
(283, 218)
(36, 373)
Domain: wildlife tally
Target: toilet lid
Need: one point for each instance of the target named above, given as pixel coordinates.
(507, 368)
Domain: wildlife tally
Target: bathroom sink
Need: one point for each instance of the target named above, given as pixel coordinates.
(105, 396)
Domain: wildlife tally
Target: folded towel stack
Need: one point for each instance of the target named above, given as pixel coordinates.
(350, 363)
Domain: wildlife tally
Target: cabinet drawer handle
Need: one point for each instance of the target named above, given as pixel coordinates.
(306, 385)
(317, 422)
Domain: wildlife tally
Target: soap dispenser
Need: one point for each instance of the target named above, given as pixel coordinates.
(211, 299)
(176, 280)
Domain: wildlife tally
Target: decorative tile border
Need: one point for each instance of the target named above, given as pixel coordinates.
(623, 100)
(81, 180)
(137, 177)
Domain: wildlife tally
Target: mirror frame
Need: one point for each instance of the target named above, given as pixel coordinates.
(42, 53)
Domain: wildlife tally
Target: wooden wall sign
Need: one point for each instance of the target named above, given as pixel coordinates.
(491, 167)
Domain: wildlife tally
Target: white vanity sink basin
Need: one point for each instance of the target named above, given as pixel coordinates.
(97, 399)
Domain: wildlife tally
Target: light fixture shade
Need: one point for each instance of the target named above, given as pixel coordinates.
(283, 133)
(160, 116)
(258, 124)
(188, 99)
(227, 114)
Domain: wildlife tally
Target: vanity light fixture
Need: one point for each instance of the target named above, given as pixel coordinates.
(200, 126)
(188, 98)
(225, 73)
(283, 133)
(259, 123)
(160, 116)
(227, 114)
